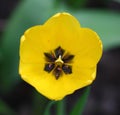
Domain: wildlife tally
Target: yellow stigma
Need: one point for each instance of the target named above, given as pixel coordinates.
(59, 60)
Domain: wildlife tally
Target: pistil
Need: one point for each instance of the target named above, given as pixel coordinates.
(59, 60)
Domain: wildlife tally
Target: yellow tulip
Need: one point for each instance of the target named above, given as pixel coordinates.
(59, 56)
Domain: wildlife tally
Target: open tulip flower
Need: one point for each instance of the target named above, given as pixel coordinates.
(59, 56)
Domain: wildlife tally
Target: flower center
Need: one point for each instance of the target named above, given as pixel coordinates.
(58, 62)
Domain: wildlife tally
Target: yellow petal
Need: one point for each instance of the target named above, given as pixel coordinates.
(63, 20)
(89, 48)
(61, 28)
(34, 44)
(54, 89)
(29, 53)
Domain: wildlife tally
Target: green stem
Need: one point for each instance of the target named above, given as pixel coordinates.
(61, 107)
(80, 104)
(47, 110)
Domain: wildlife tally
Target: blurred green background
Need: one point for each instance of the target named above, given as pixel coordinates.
(103, 16)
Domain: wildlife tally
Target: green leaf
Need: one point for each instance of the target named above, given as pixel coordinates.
(76, 3)
(0, 56)
(79, 106)
(5, 109)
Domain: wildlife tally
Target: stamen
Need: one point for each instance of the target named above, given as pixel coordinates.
(67, 58)
(67, 69)
(59, 51)
(49, 67)
(57, 72)
(50, 57)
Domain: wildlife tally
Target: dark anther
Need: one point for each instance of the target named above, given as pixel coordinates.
(59, 51)
(58, 63)
(67, 69)
(50, 57)
(49, 67)
(67, 58)
(57, 72)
